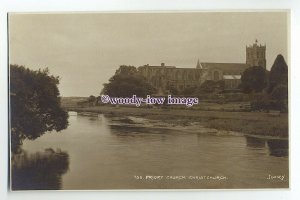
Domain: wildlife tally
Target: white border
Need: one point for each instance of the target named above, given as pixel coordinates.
(155, 5)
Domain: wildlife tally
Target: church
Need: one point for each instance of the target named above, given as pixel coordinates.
(163, 76)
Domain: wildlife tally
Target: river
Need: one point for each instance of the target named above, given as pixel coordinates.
(106, 152)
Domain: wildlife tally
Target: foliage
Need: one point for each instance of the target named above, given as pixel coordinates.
(278, 84)
(254, 79)
(172, 90)
(189, 90)
(210, 86)
(275, 96)
(278, 73)
(280, 94)
(34, 104)
(126, 70)
(261, 101)
(92, 99)
(127, 82)
(266, 102)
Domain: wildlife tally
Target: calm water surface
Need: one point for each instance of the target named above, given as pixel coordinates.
(113, 153)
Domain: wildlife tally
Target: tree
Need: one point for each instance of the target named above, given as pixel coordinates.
(278, 73)
(280, 92)
(254, 79)
(278, 84)
(280, 97)
(172, 90)
(189, 90)
(127, 82)
(92, 99)
(34, 104)
(126, 70)
(276, 94)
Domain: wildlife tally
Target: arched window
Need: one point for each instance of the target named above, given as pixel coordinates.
(216, 75)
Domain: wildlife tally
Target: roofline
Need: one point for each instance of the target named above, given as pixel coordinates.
(223, 63)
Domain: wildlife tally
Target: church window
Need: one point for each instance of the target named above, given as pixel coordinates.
(216, 76)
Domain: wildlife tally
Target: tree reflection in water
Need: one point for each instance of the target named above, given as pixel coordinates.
(39, 171)
(277, 147)
(255, 142)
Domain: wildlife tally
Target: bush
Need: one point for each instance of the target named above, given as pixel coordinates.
(261, 102)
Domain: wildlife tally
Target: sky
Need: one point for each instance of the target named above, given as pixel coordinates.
(85, 49)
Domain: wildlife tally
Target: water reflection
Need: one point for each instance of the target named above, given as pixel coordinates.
(123, 129)
(255, 142)
(112, 150)
(276, 147)
(39, 171)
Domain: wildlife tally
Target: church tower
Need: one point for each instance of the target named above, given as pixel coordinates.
(256, 55)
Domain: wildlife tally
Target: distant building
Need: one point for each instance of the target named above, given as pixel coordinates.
(230, 73)
(163, 77)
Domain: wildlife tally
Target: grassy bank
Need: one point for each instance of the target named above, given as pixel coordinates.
(256, 123)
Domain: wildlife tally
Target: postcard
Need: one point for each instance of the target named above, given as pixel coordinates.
(149, 100)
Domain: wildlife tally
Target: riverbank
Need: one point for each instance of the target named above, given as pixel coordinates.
(254, 123)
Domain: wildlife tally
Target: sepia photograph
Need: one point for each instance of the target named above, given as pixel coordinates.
(149, 100)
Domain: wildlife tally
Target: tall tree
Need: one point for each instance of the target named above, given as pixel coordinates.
(34, 104)
(278, 73)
